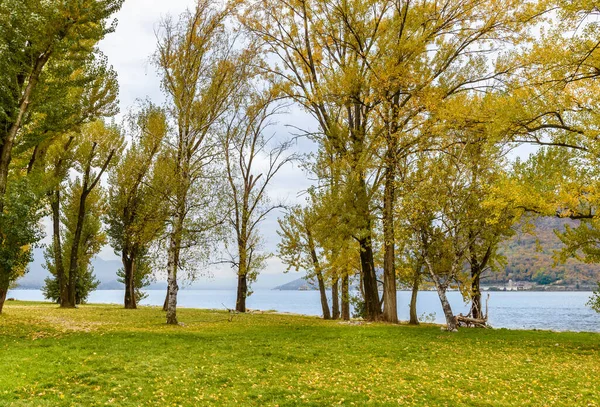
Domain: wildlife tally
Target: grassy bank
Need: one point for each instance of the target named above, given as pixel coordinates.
(104, 355)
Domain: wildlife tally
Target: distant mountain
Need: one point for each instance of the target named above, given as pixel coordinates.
(526, 262)
(105, 271)
(302, 284)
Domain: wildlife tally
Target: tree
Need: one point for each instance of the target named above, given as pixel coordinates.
(372, 73)
(92, 238)
(19, 231)
(245, 146)
(137, 212)
(200, 72)
(34, 34)
(90, 94)
(460, 209)
(95, 152)
(298, 248)
(318, 65)
(43, 49)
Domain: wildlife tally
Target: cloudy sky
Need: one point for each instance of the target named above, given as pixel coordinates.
(128, 51)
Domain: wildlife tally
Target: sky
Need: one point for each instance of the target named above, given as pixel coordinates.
(128, 50)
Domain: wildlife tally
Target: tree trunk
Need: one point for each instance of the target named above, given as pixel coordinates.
(450, 318)
(451, 323)
(242, 287)
(242, 293)
(74, 258)
(323, 292)
(317, 266)
(390, 307)
(3, 292)
(58, 255)
(345, 298)
(129, 269)
(414, 319)
(166, 303)
(369, 280)
(476, 311)
(335, 299)
(8, 139)
(172, 288)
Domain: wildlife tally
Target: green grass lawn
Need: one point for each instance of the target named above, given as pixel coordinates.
(105, 355)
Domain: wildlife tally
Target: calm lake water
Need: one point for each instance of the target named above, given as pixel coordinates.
(560, 311)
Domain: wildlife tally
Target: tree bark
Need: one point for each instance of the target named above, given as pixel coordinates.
(3, 293)
(129, 269)
(477, 268)
(323, 292)
(335, 299)
(451, 324)
(476, 294)
(166, 302)
(450, 318)
(414, 319)
(172, 288)
(369, 280)
(390, 307)
(8, 138)
(242, 287)
(74, 258)
(58, 255)
(319, 275)
(242, 293)
(173, 263)
(345, 298)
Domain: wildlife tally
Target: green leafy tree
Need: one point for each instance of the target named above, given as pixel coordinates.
(137, 211)
(200, 71)
(92, 240)
(245, 145)
(19, 231)
(35, 35)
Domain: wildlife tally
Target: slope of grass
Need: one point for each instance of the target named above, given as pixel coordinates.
(103, 355)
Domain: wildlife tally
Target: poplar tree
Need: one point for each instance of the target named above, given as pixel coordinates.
(200, 71)
(252, 160)
(137, 211)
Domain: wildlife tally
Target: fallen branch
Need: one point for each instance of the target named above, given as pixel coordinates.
(469, 321)
(232, 313)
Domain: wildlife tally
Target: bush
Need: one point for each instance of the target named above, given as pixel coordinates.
(359, 309)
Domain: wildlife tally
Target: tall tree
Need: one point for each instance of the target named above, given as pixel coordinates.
(299, 249)
(40, 43)
(245, 145)
(96, 151)
(35, 33)
(19, 231)
(200, 71)
(90, 94)
(137, 212)
(92, 240)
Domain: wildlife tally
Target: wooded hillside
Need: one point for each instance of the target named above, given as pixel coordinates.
(529, 257)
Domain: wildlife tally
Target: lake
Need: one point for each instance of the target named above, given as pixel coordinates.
(559, 311)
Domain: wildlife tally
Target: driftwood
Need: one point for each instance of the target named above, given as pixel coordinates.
(469, 321)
